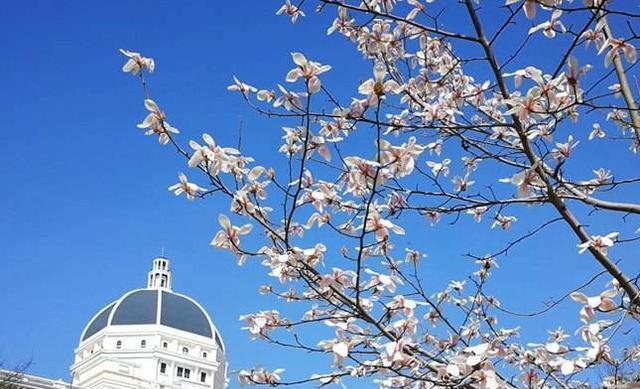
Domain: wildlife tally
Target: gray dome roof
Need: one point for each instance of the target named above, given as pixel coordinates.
(153, 306)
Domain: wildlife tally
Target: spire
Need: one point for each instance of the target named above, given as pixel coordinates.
(160, 275)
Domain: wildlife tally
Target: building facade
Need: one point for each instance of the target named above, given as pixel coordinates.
(150, 338)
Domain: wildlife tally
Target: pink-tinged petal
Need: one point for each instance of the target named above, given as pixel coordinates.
(453, 370)
(293, 75)
(245, 229)
(552, 347)
(323, 69)
(567, 367)
(479, 349)
(255, 173)
(609, 57)
(208, 140)
(630, 53)
(610, 293)
(127, 53)
(594, 301)
(151, 64)
(579, 297)
(325, 153)
(366, 87)
(604, 46)
(341, 349)
(473, 360)
(224, 221)
(314, 85)
(530, 8)
(607, 305)
(151, 105)
(130, 66)
(299, 59)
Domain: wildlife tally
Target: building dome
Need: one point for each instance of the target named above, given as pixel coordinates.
(154, 307)
(151, 338)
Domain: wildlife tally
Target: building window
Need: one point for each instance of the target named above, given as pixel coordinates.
(165, 345)
(119, 344)
(163, 368)
(185, 350)
(180, 372)
(187, 373)
(204, 354)
(203, 377)
(143, 344)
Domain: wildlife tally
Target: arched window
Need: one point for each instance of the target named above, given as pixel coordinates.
(165, 345)
(204, 354)
(119, 344)
(185, 350)
(143, 344)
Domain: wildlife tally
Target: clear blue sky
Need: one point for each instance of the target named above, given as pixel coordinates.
(84, 206)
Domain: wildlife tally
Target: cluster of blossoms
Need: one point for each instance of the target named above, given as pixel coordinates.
(422, 136)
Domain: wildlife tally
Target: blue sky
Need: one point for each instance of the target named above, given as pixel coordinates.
(84, 203)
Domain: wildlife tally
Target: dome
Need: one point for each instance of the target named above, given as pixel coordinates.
(155, 305)
(151, 338)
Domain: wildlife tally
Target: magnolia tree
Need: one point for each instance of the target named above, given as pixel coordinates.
(445, 128)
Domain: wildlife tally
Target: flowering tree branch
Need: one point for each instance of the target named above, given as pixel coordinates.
(423, 141)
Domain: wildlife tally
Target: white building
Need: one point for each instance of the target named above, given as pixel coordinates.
(149, 338)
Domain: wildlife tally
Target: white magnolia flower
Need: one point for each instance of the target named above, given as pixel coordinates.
(525, 181)
(290, 10)
(563, 150)
(381, 226)
(529, 7)
(462, 183)
(342, 23)
(603, 302)
(477, 213)
(259, 377)
(266, 95)
(617, 45)
(229, 237)
(598, 242)
(376, 87)
(308, 70)
(574, 72)
(380, 282)
(413, 256)
(433, 216)
(288, 100)
(504, 222)
(190, 189)
(239, 86)
(435, 147)
(440, 167)
(550, 27)
(155, 123)
(597, 132)
(616, 89)
(137, 63)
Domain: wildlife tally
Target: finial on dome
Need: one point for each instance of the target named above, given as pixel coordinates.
(160, 275)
